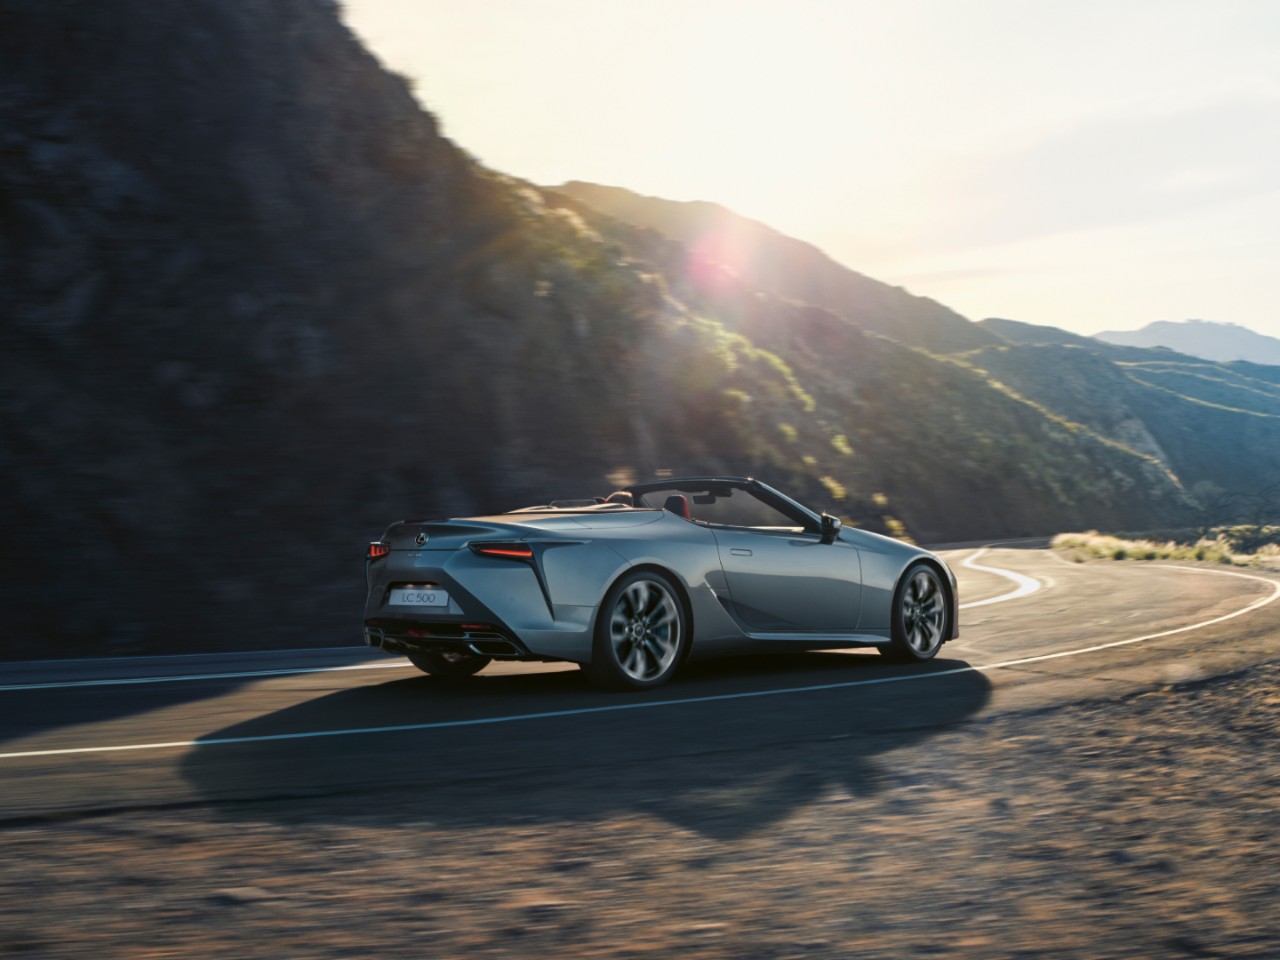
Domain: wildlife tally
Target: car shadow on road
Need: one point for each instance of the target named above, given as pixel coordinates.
(100, 692)
(729, 748)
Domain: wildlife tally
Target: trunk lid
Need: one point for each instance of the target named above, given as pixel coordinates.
(448, 534)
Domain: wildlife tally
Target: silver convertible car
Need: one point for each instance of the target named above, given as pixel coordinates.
(633, 585)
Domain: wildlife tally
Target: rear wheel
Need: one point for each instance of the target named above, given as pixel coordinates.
(640, 635)
(921, 615)
(450, 666)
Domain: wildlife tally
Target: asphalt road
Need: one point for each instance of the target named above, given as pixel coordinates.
(369, 731)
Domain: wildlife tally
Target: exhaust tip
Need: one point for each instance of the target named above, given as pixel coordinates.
(494, 648)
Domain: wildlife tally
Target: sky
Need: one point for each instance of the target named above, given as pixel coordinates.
(1086, 165)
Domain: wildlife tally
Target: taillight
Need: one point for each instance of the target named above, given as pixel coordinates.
(512, 550)
(378, 549)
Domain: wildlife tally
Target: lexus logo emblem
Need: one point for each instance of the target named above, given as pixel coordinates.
(422, 538)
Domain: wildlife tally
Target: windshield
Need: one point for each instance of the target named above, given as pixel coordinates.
(722, 505)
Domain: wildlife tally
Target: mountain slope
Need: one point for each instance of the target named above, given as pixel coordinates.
(1207, 422)
(1201, 338)
(769, 261)
(1200, 422)
(923, 431)
(255, 307)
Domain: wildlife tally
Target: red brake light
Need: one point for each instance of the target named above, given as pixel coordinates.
(378, 549)
(515, 550)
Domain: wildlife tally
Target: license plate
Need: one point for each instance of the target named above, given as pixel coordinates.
(419, 597)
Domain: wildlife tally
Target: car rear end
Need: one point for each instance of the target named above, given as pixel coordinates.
(433, 587)
(519, 586)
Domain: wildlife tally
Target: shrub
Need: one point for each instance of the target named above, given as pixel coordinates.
(1224, 548)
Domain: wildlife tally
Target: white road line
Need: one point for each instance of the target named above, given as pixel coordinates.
(685, 701)
(285, 672)
(147, 657)
(1026, 585)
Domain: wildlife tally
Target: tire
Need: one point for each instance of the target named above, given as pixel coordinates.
(641, 633)
(921, 616)
(449, 666)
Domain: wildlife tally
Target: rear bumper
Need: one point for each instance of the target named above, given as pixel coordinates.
(505, 616)
(397, 636)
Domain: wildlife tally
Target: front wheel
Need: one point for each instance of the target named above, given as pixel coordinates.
(449, 666)
(921, 616)
(640, 635)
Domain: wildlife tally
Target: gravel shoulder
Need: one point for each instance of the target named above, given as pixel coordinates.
(1143, 826)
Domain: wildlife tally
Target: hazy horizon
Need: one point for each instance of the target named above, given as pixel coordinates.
(1094, 167)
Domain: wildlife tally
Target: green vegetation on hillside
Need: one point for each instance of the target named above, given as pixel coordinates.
(1206, 423)
(1213, 385)
(928, 431)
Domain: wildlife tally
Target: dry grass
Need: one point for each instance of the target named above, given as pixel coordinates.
(1226, 545)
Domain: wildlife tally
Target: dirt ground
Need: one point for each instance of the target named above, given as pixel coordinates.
(1144, 827)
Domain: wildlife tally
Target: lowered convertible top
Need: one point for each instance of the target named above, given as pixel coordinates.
(575, 506)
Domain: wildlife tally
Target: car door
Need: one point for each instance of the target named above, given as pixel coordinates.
(789, 581)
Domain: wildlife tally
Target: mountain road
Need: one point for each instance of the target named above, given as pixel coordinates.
(338, 801)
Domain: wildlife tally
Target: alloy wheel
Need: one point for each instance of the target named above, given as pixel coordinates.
(923, 612)
(644, 630)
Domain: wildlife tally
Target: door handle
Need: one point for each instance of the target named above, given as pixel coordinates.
(740, 551)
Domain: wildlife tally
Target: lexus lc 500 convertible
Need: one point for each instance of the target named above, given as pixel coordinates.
(632, 586)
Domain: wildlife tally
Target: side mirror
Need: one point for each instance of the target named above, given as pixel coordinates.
(830, 528)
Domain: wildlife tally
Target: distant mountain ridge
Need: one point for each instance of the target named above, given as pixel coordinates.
(1222, 342)
(1215, 424)
(787, 267)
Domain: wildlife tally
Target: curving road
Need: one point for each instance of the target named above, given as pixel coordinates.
(1051, 787)
(1035, 631)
